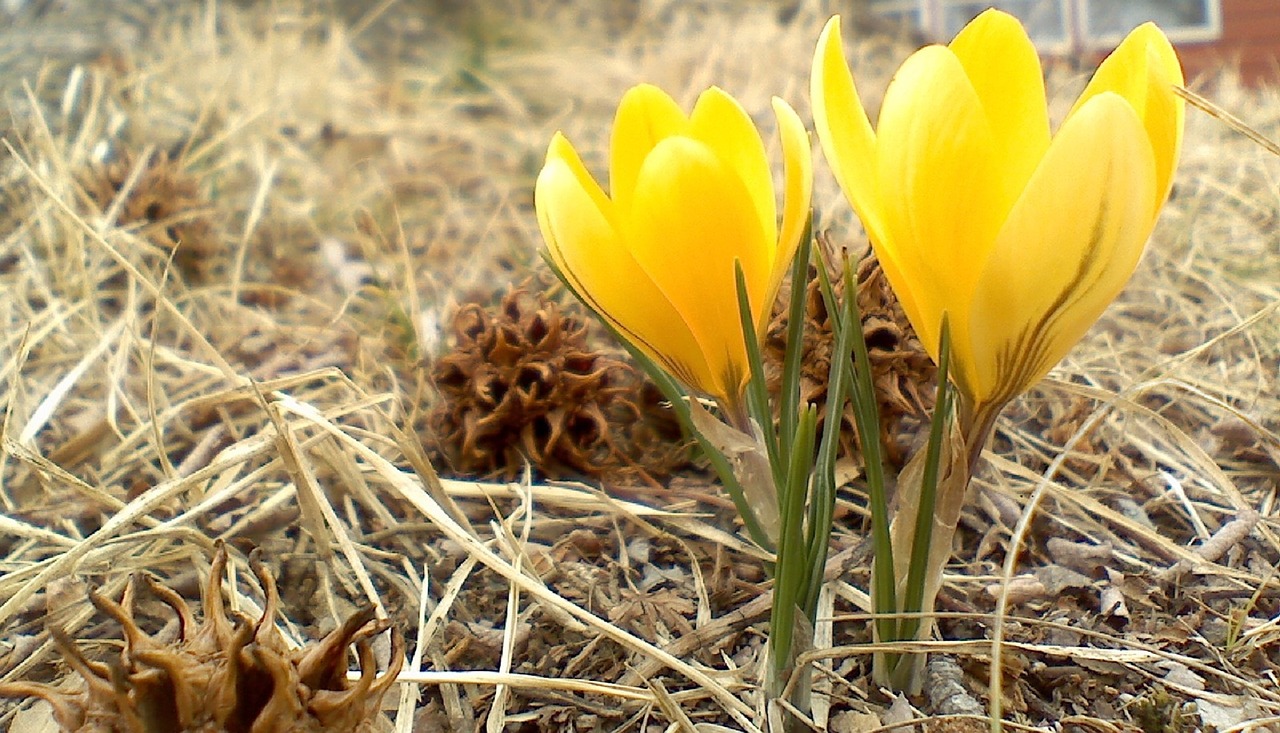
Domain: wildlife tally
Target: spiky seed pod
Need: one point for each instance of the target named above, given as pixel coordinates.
(521, 383)
(165, 202)
(227, 674)
(903, 373)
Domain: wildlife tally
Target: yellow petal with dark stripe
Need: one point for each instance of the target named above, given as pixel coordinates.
(577, 224)
(978, 214)
(1070, 244)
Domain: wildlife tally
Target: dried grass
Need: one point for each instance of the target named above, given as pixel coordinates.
(362, 176)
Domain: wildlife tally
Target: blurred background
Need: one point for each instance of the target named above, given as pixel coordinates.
(327, 189)
(1208, 33)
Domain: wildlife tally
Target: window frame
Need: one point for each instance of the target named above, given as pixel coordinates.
(1066, 19)
(916, 7)
(1074, 16)
(1183, 34)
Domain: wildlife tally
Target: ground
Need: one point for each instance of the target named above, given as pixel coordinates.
(342, 183)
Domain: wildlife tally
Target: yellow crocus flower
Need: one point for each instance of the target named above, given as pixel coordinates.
(1021, 238)
(689, 195)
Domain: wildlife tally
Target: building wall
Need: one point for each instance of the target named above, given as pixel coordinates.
(1249, 32)
(1250, 36)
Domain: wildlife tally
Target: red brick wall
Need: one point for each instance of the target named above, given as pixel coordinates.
(1250, 36)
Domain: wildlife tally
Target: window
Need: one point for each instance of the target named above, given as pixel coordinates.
(909, 13)
(1045, 20)
(1105, 22)
(1063, 25)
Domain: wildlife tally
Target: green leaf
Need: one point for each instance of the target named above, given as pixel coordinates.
(788, 591)
(866, 411)
(757, 392)
(823, 496)
(923, 536)
(789, 398)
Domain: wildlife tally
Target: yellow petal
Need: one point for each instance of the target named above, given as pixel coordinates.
(723, 125)
(563, 151)
(1069, 246)
(797, 159)
(1004, 68)
(691, 218)
(842, 125)
(1143, 69)
(849, 144)
(646, 115)
(576, 222)
(935, 168)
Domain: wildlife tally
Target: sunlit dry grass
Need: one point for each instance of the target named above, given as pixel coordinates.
(361, 176)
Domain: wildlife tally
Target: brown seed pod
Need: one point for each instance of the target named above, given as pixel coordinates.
(522, 383)
(165, 203)
(903, 373)
(229, 673)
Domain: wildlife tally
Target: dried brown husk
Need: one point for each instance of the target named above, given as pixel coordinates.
(164, 202)
(904, 374)
(522, 383)
(226, 674)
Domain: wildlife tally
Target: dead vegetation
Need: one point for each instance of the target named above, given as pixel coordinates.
(223, 672)
(520, 383)
(338, 188)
